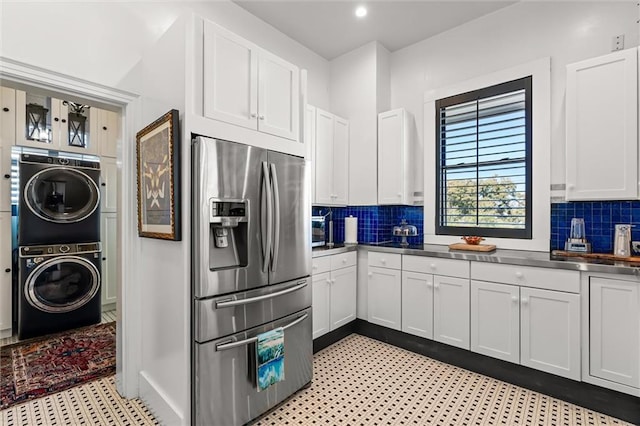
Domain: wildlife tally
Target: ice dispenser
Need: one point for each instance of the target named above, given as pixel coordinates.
(228, 227)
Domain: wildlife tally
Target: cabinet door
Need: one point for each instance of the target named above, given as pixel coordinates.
(324, 157)
(60, 125)
(5, 274)
(417, 304)
(602, 96)
(550, 331)
(343, 296)
(5, 178)
(390, 157)
(451, 311)
(105, 132)
(321, 302)
(495, 320)
(614, 333)
(109, 231)
(230, 77)
(7, 116)
(310, 142)
(383, 294)
(278, 96)
(108, 185)
(340, 161)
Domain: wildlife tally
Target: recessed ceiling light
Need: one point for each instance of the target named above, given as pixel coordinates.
(361, 11)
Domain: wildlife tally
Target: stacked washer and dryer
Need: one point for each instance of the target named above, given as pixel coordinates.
(59, 253)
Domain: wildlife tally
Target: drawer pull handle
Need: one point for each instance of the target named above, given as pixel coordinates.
(344, 260)
(436, 286)
(525, 301)
(432, 266)
(370, 274)
(519, 274)
(383, 261)
(328, 281)
(231, 344)
(514, 299)
(231, 303)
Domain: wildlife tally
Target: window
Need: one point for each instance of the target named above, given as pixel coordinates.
(483, 162)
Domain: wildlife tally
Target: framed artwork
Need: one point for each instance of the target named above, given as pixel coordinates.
(158, 169)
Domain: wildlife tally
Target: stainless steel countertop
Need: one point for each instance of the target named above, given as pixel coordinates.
(511, 257)
(337, 249)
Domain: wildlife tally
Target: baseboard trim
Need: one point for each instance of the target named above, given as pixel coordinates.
(158, 403)
(613, 403)
(334, 336)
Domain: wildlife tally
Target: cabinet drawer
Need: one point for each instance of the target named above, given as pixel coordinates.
(527, 276)
(385, 260)
(343, 260)
(320, 264)
(437, 266)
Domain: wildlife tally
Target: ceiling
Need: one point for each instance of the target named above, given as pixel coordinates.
(330, 28)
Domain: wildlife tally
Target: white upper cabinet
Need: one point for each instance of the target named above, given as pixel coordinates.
(48, 123)
(395, 157)
(105, 130)
(7, 116)
(331, 159)
(602, 127)
(310, 142)
(248, 86)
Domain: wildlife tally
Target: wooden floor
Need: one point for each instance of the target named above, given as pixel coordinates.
(107, 316)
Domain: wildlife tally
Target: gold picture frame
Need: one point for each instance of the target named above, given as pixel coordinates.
(158, 178)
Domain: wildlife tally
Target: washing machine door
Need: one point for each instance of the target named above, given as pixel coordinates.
(62, 284)
(61, 195)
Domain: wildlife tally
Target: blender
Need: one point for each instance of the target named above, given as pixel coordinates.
(577, 241)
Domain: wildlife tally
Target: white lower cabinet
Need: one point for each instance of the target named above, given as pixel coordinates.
(513, 320)
(550, 331)
(451, 311)
(109, 231)
(384, 302)
(417, 304)
(614, 333)
(333, 292)
(495, 320)
(321, 297)
(5, 275)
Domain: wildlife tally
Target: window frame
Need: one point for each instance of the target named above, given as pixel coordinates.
(522, 83)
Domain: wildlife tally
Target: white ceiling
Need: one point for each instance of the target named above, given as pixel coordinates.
(330, 28)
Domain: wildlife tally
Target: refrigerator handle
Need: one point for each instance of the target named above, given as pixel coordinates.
(266, 225)
(276, 220)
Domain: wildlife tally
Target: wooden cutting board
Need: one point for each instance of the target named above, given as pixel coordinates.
(606, 256)
(471, 247)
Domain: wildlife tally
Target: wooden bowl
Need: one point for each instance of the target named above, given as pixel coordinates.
(473, 240)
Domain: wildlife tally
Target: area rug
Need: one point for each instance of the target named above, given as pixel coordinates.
(38, 367)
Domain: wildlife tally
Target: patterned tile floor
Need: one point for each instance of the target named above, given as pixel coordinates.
(360, 381)
(357, 381)
(95, 403)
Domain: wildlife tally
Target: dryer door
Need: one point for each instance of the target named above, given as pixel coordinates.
(61, 284)
(61, 195)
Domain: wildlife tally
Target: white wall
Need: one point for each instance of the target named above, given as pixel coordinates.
(110, 37)
(565, 31)
(355, 91)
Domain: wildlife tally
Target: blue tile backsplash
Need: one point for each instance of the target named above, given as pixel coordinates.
(599, 218)
(375, 223)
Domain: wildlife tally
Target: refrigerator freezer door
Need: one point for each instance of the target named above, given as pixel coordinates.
(227, 172)
(225, 390)
(291, 247)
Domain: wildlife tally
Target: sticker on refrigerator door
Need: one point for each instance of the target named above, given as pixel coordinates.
(270, 356)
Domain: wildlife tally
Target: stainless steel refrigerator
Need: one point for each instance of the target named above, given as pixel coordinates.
(251, 264)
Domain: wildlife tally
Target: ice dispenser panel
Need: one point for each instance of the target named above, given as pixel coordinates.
(228, 227)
